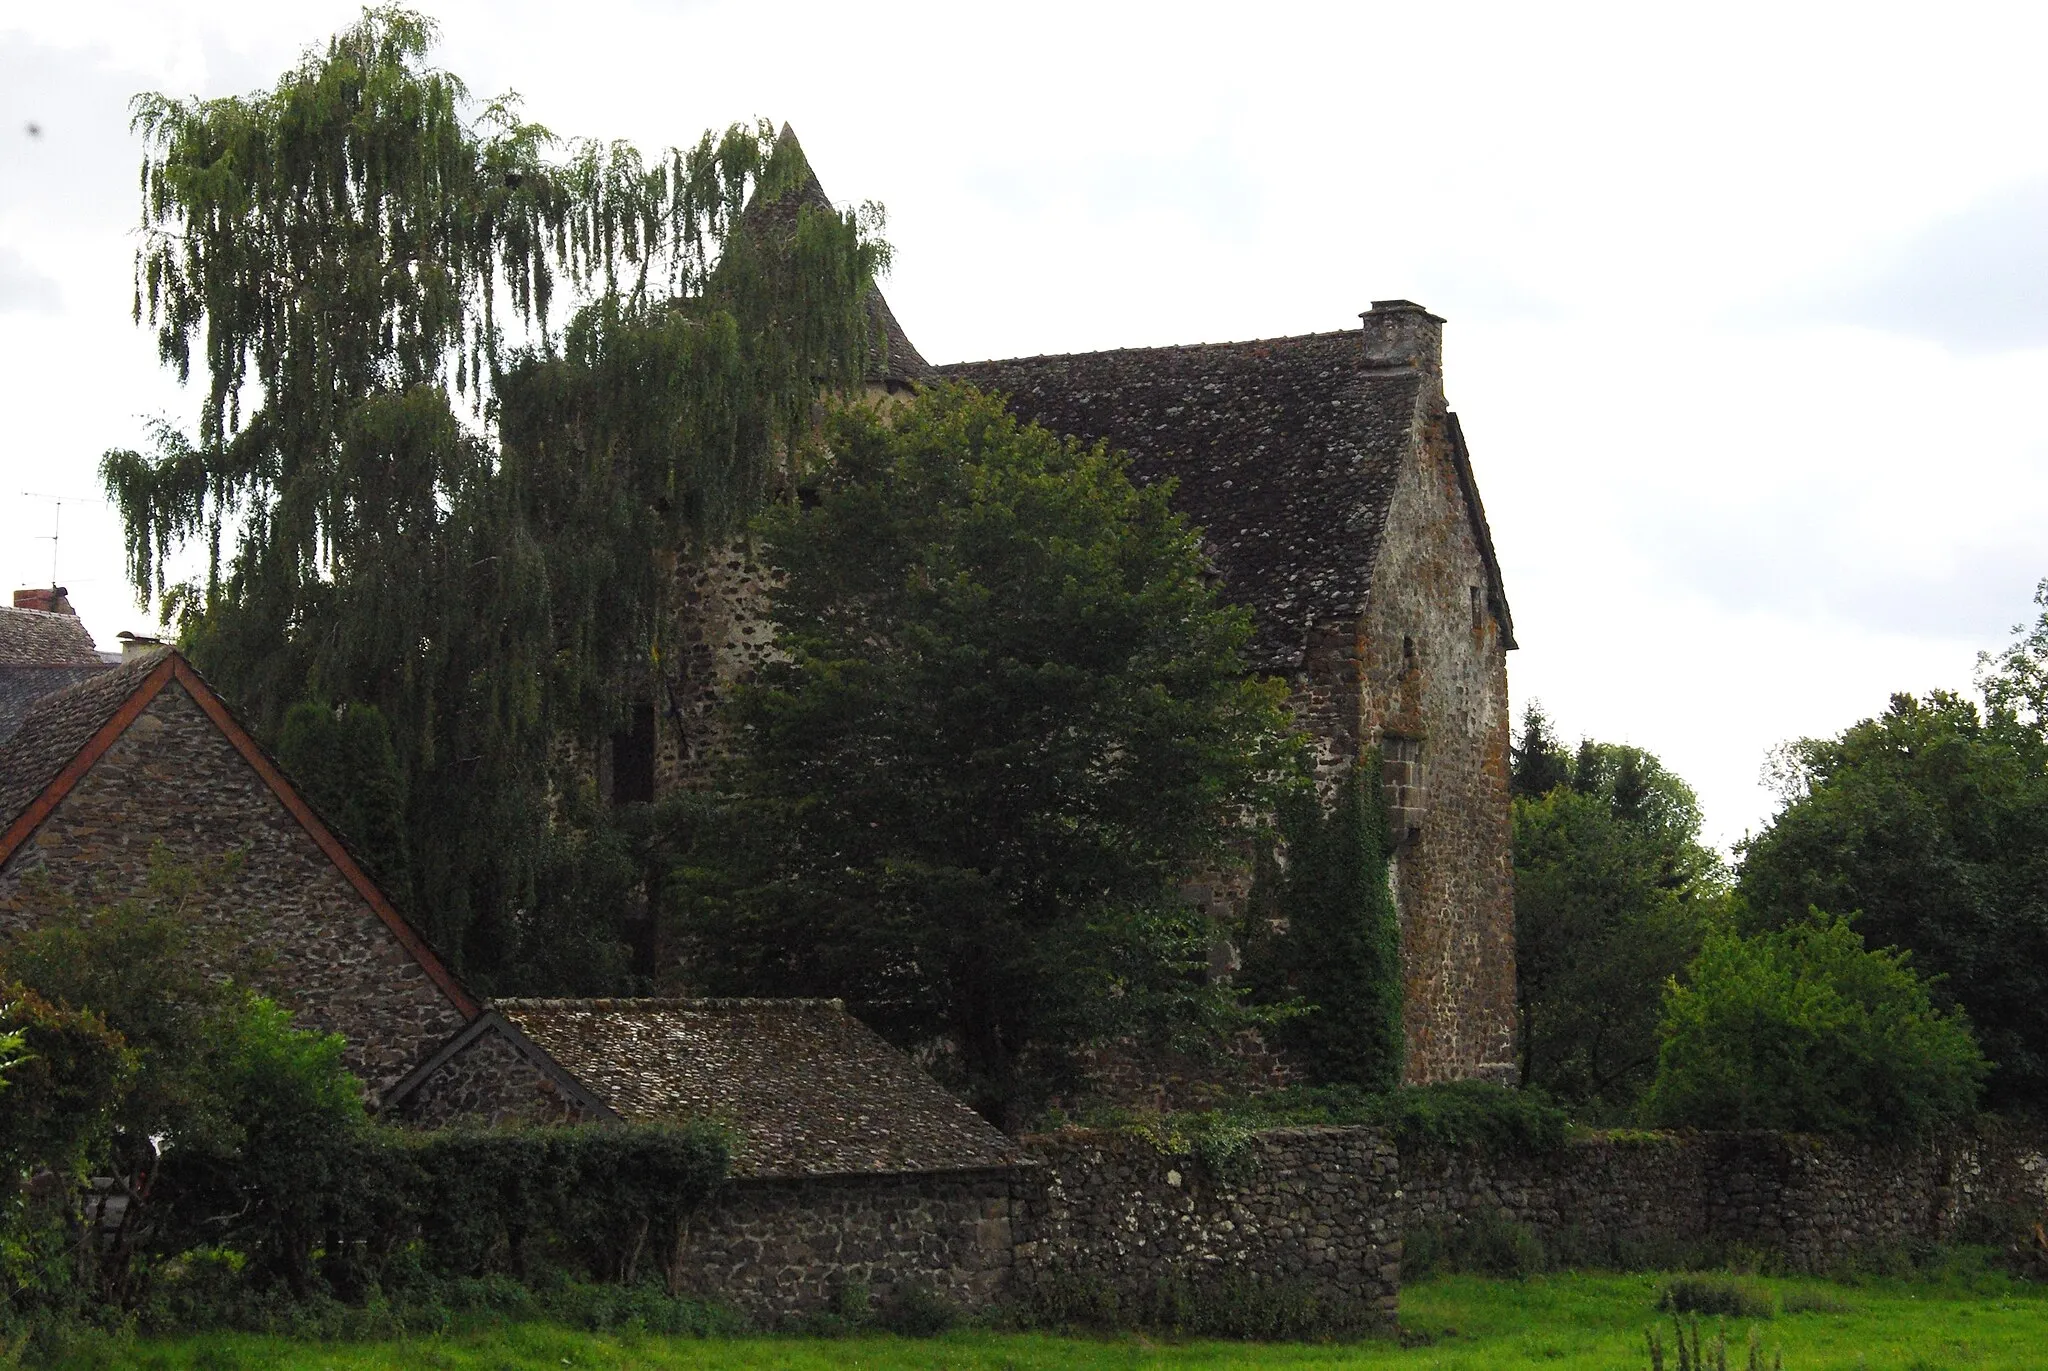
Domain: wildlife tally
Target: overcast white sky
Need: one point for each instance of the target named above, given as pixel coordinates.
(1748, 305)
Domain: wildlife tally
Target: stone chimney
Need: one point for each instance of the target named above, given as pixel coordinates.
(1401, 333)
(51, 601)
(135, 644)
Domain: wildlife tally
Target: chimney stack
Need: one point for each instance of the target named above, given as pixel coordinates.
(1401, 333)
(50, 601)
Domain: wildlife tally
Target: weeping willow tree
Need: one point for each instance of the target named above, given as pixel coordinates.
(412, 483)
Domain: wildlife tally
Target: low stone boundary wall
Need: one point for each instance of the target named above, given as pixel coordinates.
(1320, 1213)
(1649, 1198)
(1314, 1211)
(779, 1247)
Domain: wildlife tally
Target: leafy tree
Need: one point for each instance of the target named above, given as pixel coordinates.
(1538, 764)
(1323, 935)
(347, 258)
(1613, 892)
(209, 1081)
(1804, 1030)
(1929, 824)
(1009, 716)
(343, 762)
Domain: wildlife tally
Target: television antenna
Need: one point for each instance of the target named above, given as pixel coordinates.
(56, 533)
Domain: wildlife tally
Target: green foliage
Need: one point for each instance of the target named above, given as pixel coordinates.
(1731, 1297)
(1613, 893)
(1224, 1304)
(1483, 1242)
(1929, 824)
(1475, 1115)
(605, 1202)
(1010, 716)
(343, 762)
(1322, 934)
(64, 1084)
(346, 254)
(1802, 1030)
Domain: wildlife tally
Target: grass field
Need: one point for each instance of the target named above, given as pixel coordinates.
(1560, 1323)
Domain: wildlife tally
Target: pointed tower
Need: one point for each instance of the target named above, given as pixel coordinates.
(894, 363)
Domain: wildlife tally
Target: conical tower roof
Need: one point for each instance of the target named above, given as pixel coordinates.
(892, 357)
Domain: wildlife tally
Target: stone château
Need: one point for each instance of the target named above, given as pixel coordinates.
(1338, 503)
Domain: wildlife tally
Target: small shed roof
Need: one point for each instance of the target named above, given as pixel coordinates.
(808, 1088)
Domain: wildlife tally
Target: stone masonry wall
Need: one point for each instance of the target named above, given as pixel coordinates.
(1315, 1208)
(310, 940)
(1650, 1198)
(779, 1247)
(719, 635)
(1436, 703)
(488, 1083)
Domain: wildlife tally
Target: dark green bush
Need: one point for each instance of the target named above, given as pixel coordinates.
(1805, 1031)
(1735, 1299)
(1486, 1242)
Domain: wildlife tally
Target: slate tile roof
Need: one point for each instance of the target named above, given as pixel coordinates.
(1286, 451)
(58, 725)
(22, 686)
(810, 1090)
(33, 637)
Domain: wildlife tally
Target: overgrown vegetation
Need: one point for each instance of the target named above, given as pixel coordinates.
(1804, 1030)
(1929, 825)
(1613, 894)
(412, 490)
(177, 1154)
(1009, 715)
(1321, 934)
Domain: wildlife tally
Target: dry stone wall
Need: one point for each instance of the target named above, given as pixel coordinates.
(1314, 1209)
(775, 1248)
(308, 939)
(1811, 1203)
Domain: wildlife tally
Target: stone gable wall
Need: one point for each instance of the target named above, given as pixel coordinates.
(487, 1083)
(1435, 700)
(312, 942)
(1315, 1209)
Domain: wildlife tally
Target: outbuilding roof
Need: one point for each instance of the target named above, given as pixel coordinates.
(1286, 451)
(808, 1089)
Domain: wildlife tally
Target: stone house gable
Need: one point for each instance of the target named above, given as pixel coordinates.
(1337, 500)
(100, 773)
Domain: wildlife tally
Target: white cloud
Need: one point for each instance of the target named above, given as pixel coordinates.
(1745, 324)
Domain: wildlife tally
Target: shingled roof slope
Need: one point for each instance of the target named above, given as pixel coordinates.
(891, 356)
(34, 637)
(22, 686)
(58, 725)
(1286, 451)
(810, 1090)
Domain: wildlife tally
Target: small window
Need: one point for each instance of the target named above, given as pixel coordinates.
(1478, 613)
(633, 757)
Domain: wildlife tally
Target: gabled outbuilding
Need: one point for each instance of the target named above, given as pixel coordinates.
(144, 758)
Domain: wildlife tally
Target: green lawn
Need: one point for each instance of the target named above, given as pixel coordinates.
(1562, 1322)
